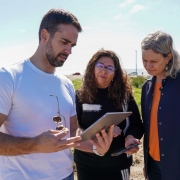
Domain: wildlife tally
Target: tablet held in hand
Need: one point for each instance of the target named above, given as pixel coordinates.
(104, 123)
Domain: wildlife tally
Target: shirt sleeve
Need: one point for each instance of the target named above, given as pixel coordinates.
(136, 128)
(78, 110)
(6, 91)
(72, 94)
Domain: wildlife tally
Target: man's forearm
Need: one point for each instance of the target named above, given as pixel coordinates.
(12, 146)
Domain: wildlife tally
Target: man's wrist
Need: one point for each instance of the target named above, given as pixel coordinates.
(95, 151)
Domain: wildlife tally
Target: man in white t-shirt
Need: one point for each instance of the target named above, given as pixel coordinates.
(31, 94)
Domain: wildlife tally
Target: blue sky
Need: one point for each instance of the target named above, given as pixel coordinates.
(118, 25)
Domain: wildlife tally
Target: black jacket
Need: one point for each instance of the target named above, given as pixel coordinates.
(107, 163)
(168, 124)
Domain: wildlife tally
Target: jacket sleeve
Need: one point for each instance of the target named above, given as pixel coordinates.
(136, 128)
(78, 110)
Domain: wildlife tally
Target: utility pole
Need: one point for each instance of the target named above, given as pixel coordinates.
(136, 62)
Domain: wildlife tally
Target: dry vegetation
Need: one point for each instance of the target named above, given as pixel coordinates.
(137, 167)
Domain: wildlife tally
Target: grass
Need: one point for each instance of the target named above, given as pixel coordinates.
(77, 83)
(137, 81)
(137, 96)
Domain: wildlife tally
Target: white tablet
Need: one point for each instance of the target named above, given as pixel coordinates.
(104, 123)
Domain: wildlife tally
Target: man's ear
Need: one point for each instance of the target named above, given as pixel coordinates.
(44, 35)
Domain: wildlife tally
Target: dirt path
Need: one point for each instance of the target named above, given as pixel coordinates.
(138, 164)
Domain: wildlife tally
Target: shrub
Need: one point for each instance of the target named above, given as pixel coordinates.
(138, 81)
(77, 83)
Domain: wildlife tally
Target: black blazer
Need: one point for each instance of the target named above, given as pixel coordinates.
(168, 124)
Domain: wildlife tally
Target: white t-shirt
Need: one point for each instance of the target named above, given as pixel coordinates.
(25, 98)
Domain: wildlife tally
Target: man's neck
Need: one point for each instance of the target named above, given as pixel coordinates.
(41, 62)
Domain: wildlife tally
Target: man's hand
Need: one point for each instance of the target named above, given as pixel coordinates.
(51, 141)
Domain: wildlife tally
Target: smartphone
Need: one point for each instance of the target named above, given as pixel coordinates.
(121, 151)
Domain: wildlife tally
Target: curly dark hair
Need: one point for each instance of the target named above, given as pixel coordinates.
(119, 89)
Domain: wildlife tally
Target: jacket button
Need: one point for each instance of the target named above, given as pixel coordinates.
(162, 94)
(162, 154)
(161, 139)
(159, 107)
(160, 123)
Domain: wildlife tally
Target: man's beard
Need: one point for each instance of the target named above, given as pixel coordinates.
(53, 61)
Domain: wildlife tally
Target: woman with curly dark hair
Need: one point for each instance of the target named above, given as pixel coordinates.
(105, 89)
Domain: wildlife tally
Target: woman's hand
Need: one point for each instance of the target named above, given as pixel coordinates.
(129, 141)
(117, 131)
(103, 140)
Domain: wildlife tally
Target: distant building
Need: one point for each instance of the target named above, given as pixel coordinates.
(76, 73)
(133, 74)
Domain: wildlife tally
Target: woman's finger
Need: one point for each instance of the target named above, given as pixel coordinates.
(110, 132)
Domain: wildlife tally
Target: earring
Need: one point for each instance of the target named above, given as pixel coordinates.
(166, 68)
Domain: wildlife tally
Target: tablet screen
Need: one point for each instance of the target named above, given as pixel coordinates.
(104, 123)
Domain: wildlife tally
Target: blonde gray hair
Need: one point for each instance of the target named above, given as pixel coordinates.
(161, 42)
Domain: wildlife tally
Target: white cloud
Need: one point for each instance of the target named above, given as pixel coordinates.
(118, 16)
(22, 30)
(137, 8)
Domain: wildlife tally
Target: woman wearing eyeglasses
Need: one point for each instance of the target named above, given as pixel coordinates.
(161, 107)
(105, 89)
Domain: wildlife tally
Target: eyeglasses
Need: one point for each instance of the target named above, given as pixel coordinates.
(59, 118)
(101, 67)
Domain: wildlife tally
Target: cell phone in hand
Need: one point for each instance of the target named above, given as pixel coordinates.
(121, 151)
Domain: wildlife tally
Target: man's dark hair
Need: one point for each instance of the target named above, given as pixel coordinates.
(54, 17)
